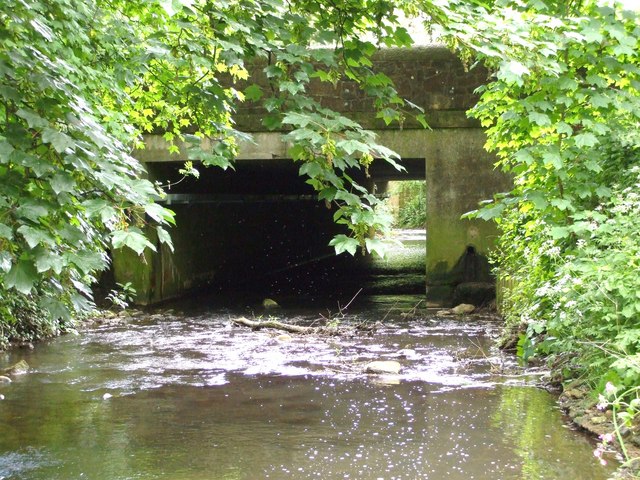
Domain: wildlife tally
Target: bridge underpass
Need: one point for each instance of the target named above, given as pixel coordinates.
(236, 227)
(262, 221)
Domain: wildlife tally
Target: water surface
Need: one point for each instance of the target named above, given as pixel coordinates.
(187, 395)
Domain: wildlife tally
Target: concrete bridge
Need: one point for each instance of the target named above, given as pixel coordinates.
(263, 217)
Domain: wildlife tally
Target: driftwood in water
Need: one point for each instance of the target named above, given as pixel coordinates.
(352, 329)
(287, 327)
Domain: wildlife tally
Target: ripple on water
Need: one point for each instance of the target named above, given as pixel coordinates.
(197, 398)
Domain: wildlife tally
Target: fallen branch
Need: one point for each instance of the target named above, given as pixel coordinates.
(287, 327)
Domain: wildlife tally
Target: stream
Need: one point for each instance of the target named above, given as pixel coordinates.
(186, 395)
(182, 393)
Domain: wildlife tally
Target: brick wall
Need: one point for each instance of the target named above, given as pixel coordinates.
(430, 77)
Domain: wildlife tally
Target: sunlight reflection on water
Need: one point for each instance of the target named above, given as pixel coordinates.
(194, 397)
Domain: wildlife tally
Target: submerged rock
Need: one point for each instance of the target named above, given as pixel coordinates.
(463, 309)
(476, 293)
(18, 368)
(408, 353)
(269, 304)
(284, 337)
(4, 379)
(383, 366)
(386, 380)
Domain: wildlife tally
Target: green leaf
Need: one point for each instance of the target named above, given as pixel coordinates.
(32, 210)
(253, 93)
(60, 141)
(402, 38)
(352, 146)
(5, 261)
(512, 71)
(133, 238)
(376, 246)
(592, 32)
(524, 156)
(327, 194)
(35, 236)
(299, 120)
(5, 150)
(348, 198)
(312, 169)
(564, 128)
(45, 260)
(81, 303)
(490, 212)
(272, 122)
(72, 234)
(538, 199)
(62, 182)
(100, 207)
(422, 120)
(539, 119)
(159, 213)
(86, 261)
(559, 232)
(164, 237)
(586, 140)
(562, 204)
(341, 243)
(22, 276)
(34, 120)
(6, 231)
(56, 308)
(552, 157)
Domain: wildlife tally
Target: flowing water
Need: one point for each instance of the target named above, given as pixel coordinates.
(184, 394)
(188, 395)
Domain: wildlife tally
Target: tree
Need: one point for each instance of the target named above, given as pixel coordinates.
(80, 81)
(563, 115)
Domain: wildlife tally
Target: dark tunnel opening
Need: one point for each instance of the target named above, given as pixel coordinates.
(260, 231)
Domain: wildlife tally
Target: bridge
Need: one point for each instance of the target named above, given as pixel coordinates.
(241, 225)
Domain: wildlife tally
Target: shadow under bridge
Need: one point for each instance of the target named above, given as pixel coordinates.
(258, 228)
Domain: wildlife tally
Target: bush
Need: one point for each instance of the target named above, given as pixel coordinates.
(579, 295)
(23, 320)
(594, 296)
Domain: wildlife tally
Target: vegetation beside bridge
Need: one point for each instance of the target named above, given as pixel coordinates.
(80, 82)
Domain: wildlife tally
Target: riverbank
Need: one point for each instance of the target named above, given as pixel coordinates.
(581, 406)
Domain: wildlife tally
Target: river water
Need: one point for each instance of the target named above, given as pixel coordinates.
(184, 394)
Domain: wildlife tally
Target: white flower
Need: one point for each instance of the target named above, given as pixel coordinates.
(610, 388)
(603, 403)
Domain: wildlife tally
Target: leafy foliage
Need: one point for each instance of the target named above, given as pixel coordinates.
(81, 81)
(562, 114)
(412, 196)
(23, 320)
(68, 185)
